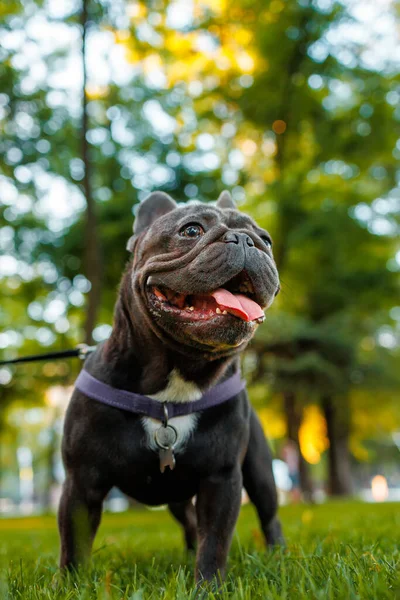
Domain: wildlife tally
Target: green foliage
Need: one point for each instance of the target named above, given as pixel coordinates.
(337, 153)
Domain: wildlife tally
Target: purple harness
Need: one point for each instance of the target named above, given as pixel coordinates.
(143, 405)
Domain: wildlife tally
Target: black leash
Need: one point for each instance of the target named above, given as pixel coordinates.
(81, 351)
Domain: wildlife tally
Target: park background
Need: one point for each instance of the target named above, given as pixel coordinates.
(291, 105)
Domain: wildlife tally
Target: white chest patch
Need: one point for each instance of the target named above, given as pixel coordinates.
(177, 390)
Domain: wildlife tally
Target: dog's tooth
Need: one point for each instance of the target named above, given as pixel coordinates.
(191, 308)
(224, 312)
(218, 311)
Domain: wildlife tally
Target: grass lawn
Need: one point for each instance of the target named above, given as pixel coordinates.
(334, 551)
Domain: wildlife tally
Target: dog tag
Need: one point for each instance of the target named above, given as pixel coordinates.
(167, 459)
(166, 437)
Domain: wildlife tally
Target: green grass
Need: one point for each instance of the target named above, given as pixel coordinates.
(334, 551)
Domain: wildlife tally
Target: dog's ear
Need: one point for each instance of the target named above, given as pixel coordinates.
(225, 200)
(154, 206)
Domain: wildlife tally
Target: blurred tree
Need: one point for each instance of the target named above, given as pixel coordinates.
(316, 186)
(92, 258)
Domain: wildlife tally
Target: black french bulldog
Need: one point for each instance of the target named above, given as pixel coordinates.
(189, 302)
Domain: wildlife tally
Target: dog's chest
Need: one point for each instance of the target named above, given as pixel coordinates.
(177, 390)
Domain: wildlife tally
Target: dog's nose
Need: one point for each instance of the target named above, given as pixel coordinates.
(231, 238)
(234, 238)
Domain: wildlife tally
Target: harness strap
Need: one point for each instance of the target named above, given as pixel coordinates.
(143, 405)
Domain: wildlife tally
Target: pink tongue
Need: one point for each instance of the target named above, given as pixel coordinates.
(237, 304)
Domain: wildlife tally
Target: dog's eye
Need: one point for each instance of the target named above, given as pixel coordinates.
(267, 240)
(192, 231)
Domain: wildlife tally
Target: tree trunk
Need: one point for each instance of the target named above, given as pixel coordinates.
(92, 256)
(339, 468)
(293, 420)
(288, 208)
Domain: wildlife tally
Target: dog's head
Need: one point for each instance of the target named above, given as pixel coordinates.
(202, 275)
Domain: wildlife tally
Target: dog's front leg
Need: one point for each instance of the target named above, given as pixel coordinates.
(79, 516)
(217, 507)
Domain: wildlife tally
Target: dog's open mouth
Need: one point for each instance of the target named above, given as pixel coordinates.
(236, 298)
